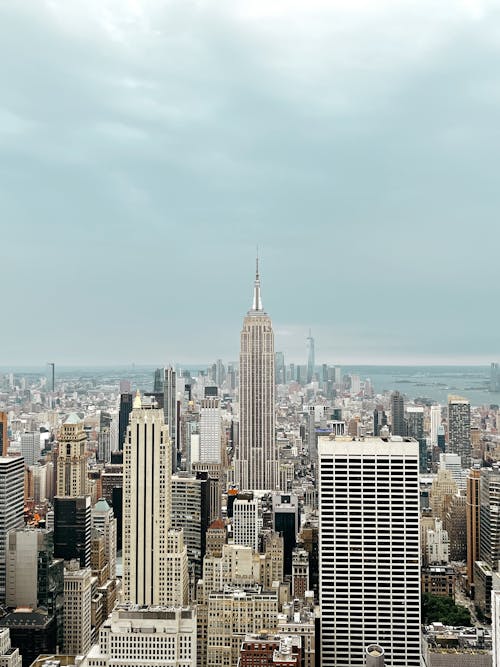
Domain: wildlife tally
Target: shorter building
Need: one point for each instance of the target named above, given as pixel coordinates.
(483, 584)
(439, 580)
(444, 646)
(77, 608)
(33, 632)
(262, 650)
(138, 636)
(9, 657)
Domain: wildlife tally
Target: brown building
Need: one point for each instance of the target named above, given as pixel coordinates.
(264, 650)
(439, 580)
(216, 538)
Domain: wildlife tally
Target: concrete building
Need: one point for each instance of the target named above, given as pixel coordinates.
(246, 522)
(361, 483)
(398, 426)
(256, 460)
(234, 613)
(103, 520)
(30, 447)
(437, 544)
(11, 507)
(154, 554)
(435, 418)
(71, 458)
(9, 656)
(137, 636)
(265, 650)
(211, 435)
(453, 463)
(77, 608)
(472, 515)
(4, 438)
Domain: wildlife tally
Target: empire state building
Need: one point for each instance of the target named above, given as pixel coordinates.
(256, 464)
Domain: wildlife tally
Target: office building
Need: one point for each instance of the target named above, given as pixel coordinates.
(265, 650)
(77, 608)
(379, 419)
(398, 414)
(34, 631)
(310, 358)
(211, 441)
(453, 463)
(71, 458)
(286, 520)
(30, 448)
(165, 382)
(72, 529)
(369, 565)
(126, 400)
(256, 460)
(435, 418)
(104, 521)
(154, 555)
(415, 429)
(246, 522)
(459, 439)
(4, 437)
(146, 636)
(11, 507)
(34, 576)
(234, 613)
(495, 627)
(472, 515)
(9, 656)
(279, 368)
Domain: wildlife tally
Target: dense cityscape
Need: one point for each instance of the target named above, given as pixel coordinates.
(249, 513)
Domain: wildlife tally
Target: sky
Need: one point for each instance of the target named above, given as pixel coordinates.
(148, 146)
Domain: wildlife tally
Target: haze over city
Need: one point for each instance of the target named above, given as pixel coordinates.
(148, 147)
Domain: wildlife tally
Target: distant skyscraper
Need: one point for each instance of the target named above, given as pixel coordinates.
(280, 369)
(379, 419)
(166, 383)
(154, 555)
(435, 423)
(4, 439)
(459, 439)
(11, 506)
(361, 483)
(71, 459)
(472, 517)
(495, 377)
(310, 357)
(210, 431)
(30, 447)
(398, 414)
(256, 464)
(126, 400)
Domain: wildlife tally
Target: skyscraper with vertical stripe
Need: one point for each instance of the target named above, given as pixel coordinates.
(155, 570)
(256, 464)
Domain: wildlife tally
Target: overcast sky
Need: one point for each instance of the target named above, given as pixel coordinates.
(148, 146)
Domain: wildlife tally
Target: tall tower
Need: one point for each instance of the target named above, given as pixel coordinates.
(154, 555)
(361, 484)
(398, 414)
(11, 506)
(4, 439)
(256, 465)
(165, 382)
(459, 428)
(435, 423)
(472, 514)
(71, 459)
(310, 357)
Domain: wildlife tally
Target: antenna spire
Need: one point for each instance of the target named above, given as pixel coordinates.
(257, 301)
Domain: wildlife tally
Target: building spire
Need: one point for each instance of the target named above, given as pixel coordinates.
(257, 301)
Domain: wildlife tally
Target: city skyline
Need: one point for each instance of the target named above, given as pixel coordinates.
(346, 140)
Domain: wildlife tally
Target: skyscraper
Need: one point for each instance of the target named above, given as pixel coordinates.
(398, 414)
(459, 428)
(30, 447)
(435, 423)
(369, 565)
(256, 464)
(472, 517)
(166, 383)
(72, 528)
(126, 400)
(71, 459)
(4, 440)
(310, 357)
(154, 554)
(11, 506)
(210, 431)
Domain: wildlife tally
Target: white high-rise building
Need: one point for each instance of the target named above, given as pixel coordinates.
(369, 544)
(9, 656)
(453, 463)
(154, 555)
(246, 523)
(210, 446)
(435, 423)
(30, 447)
(256, 463)
(144, 637)
(11, 506)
